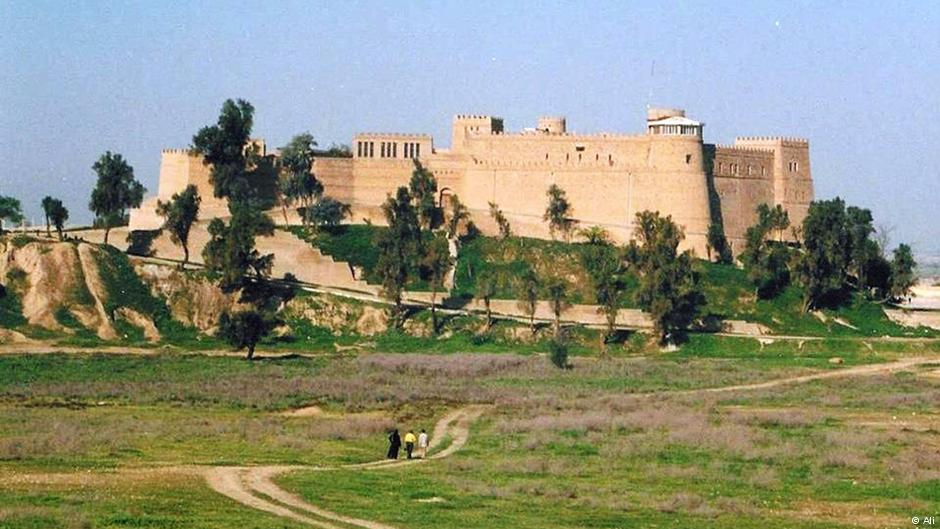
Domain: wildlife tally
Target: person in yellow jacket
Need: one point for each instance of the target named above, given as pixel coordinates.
(410, 442)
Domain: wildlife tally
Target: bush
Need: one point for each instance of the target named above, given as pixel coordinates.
(558, 353)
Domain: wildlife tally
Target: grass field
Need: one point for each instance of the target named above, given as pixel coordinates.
(609, 443)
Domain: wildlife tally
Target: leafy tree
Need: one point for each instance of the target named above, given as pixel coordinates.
(247, 179)
(556, 287)
(244, 329)
(10, 210)
(824, 261)
(501, 221)
(423, 189)
(437, 261)
(718, 244)
(558, 353)
(860, 227)
(485, 289)
(605, 268)
(458, 214)
(766, 261)
(298, 185)
(558, 212)
(527, 293)
(327, 212)
(398, 249)
(224, 147)
(902, 272)
(47, 211)
(231, 248)
(179, 215)
(668, 288)
(595, 235)
(115, 192)
(58, 214)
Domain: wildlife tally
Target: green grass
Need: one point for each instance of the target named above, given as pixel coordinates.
(165, 502)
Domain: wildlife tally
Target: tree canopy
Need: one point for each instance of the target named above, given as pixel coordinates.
(179, 215)
(668, 288)
(423, 189)
(558, 212)
(115, 192)
(765, 260)
(398, 247)
(10, 210)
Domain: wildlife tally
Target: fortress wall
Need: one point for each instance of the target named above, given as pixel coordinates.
(792, 177)
(743, 179)
(655, 173)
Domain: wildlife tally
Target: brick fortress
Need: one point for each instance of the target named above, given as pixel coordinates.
(608, 177)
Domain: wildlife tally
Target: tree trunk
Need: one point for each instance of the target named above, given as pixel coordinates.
(251, 352)
(489, 313)
(433, 310)
(48, 231)
(185, 256)
(59, 231)
(107, 231)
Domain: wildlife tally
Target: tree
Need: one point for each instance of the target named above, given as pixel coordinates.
(605, 268)
(825, 257)
(668, 288)
(556, 287)
(58, 214)
(10, 210)
(902, 272)
(244, 329)
(298, 185)
(231, 251)
(860, 227)
(398, 249)
(179, 215)
(766, 261)
(485, 289)
(595, 235)
(423, 189)
(437, 261)
(558, 212)
(327, 212)
(718, 244)
(458, 214)
(248, 180)
(501, 221)
(527, 293)
(47, 211)
(115, 192)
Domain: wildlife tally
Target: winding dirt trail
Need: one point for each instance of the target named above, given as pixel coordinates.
(255, 487)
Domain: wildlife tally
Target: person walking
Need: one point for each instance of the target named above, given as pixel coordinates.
(394, 444)
(410, 440)
(423, 445)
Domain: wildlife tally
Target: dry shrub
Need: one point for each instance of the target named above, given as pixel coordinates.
(462, 365)
(844, 458)
(790, 418)
(764, 477)
(914, 464)
(686, 503)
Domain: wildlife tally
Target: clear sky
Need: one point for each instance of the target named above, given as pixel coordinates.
(861, 80)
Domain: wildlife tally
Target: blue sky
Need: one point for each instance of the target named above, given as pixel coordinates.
(861, 80)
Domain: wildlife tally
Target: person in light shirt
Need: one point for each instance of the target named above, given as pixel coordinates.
(423, 444)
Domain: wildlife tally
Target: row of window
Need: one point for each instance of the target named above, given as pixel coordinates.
(794, 166)
(734, 169)
(387, 149)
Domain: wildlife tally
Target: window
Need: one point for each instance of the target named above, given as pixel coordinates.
(417, 150)
(579, 148)
(371, 149)
(382, 150)
(763, 171)
(721, 167)
(359, 149)
(394, 150)
(750, 170)
(688, 158)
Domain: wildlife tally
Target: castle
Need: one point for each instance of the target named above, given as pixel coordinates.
(608, 177)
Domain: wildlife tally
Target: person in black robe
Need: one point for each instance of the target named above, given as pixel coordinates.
(394, 444)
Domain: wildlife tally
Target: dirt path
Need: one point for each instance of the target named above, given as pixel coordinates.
(255, 487)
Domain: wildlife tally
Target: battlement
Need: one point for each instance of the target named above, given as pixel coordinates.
(175, 151)
(402, 135)
(772, 139)
(475, 116)
(744, 148)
